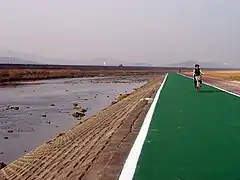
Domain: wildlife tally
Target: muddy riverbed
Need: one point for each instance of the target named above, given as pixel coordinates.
(42, 109)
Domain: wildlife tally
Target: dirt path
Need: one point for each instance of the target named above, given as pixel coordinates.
(94, 149)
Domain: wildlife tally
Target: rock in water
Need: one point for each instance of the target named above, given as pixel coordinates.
(113, 102)
(77, 106)
(78, 114)
(84, 110)
(16, 108)
(13, 107)
(2, 165)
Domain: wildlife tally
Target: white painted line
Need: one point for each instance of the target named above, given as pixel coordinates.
(132, 159)
(224, 90)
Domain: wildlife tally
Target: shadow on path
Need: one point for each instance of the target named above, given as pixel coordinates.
(210, 91)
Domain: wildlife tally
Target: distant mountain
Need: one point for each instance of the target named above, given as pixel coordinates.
(105, 61)
(15, 60)
(23, 56)
(142, 64)
(190, 64)
(114, 62)
(31, 58)
(10, 56)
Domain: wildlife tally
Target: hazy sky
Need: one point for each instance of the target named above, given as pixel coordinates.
(158, 31)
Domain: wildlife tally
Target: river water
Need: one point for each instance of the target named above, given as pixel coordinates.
(46, 107)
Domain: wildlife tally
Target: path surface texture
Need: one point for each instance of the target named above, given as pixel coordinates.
(192, 135)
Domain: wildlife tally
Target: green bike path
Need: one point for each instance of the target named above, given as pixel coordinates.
(192, 135)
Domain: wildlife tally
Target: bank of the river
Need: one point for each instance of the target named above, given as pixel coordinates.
(46, 107)
(94, 149)
(22, 73)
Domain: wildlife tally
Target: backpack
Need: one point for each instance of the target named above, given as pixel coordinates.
(197, 72)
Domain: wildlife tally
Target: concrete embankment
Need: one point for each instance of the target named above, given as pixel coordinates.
(35, 112)
(94, 149)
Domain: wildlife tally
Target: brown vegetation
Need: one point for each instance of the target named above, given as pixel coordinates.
(35, 74)
(226, 75)
(8, 75)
